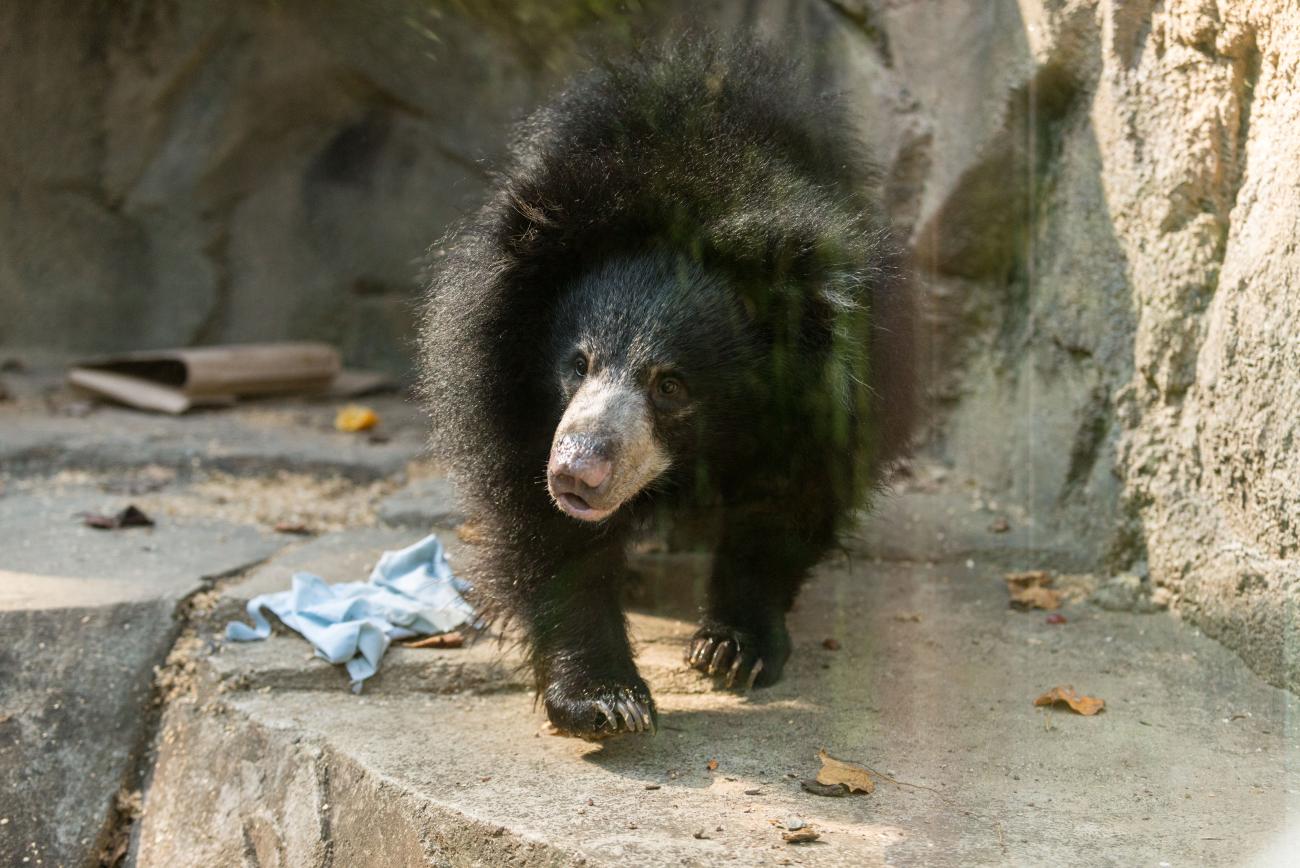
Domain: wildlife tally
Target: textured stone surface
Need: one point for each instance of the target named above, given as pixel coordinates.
(422, 503)
(85, 616)
(1107, 228)
(1185, 765)
(254, 438)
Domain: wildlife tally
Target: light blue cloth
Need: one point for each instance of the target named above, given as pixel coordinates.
(411, 592)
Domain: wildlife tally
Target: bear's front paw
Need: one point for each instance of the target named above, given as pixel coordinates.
(600, 710)
(739, 657)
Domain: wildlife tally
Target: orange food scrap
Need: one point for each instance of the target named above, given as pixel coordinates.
(355, 417)
(442, 640)
(1085, 705)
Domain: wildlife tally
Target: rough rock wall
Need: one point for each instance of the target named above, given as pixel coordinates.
(1103, 196)
(1107, 212)
(176, 172)
(189, 172)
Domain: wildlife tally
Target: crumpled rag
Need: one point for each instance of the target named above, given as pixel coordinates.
(411, 592)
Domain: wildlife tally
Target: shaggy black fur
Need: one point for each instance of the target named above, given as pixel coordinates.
(695, 203)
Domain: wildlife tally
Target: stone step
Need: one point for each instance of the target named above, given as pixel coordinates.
(931, 685)
(85, 617)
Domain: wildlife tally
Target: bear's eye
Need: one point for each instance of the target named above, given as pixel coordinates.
(670, 387)
(579, 364)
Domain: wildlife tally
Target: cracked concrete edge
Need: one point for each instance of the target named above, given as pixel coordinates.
(300, 782)
(80, 707)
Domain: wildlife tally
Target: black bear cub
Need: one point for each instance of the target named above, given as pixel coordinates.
(679, 300)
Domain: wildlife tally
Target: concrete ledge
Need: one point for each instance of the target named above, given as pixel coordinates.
(1186, 765)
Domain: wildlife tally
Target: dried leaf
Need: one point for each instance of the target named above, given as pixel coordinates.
(1031, 590)
(712, 765)
(1036, 598)
(836, 771)
(830, 790)
(471, 533)
(355, 417)
(1085, 705)
(801, 836)
(296, 528)
(1056, 618)
(1028, 579)
(831, 644)
(442, 640)
(132, 516)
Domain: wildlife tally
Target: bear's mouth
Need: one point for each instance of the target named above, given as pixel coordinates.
(575, 506)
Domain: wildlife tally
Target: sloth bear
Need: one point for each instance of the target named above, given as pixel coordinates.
(680, 300)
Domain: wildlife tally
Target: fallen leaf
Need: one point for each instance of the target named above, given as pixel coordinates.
(801, 836)
(712, 765)
(1056, 618)
(1036, 598)
(355, 417)
(836, 771)
(296, 528)
(1085, 705)
(470, 532)
(442, 640)
(829, 790)
(132, 516)
(831, 644)
(1031, 590)
(1028, 579)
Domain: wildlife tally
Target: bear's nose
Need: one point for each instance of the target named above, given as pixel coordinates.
(575, 472)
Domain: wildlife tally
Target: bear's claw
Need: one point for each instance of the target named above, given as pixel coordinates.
(602, 712)
(738, 658)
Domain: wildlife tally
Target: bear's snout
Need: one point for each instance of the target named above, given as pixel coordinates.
(604, 450)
